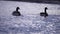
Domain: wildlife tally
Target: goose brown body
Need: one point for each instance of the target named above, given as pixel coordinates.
(45, 14)
(16, 13)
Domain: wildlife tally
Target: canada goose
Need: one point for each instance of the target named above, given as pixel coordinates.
(45, 14)
(16, 13)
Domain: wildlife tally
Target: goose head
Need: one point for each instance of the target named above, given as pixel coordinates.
(46, 8)
(17, 8)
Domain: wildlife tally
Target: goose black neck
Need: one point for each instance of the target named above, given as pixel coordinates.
(45, 10)
(17, 10)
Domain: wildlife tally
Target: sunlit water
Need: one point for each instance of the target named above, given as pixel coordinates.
(28, 24)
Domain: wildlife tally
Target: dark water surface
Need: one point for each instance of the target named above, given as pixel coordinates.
(30, 24)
